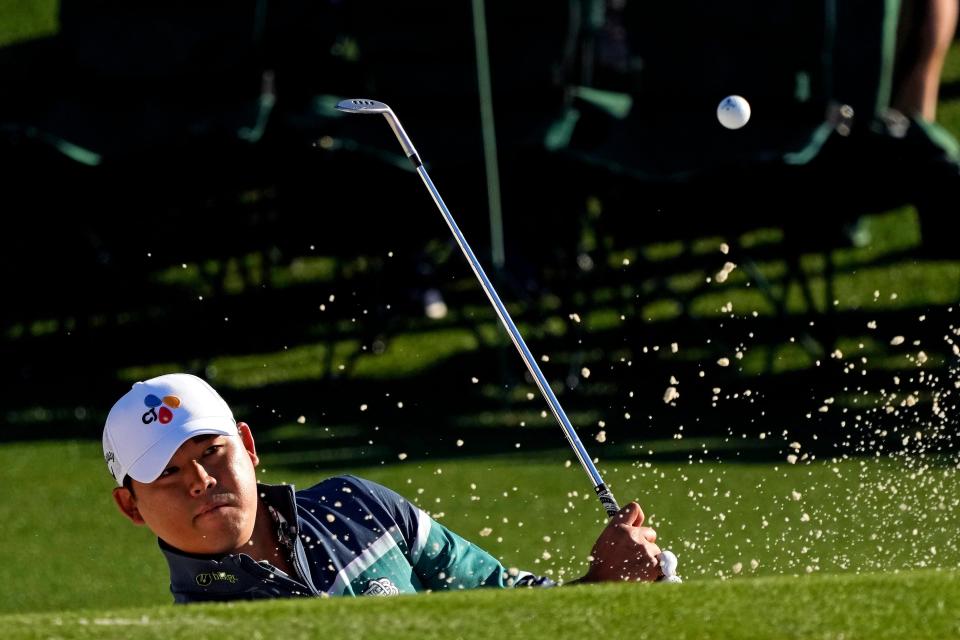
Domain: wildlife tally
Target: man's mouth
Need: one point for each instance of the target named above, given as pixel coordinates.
(218, 503)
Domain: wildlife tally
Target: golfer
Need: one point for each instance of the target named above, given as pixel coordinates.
(185, 469)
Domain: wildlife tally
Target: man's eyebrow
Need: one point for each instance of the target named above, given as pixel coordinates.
(203, 438)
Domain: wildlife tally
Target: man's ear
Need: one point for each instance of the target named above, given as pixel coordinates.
(246, 437)
(127, 505)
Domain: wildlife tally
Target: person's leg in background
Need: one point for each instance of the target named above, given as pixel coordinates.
(926, 30)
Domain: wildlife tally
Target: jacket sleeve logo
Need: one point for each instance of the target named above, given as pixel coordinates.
(381, 587)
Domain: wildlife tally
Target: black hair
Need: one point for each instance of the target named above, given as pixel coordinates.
(128, 485)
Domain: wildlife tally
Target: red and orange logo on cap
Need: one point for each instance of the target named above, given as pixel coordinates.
(160, 410)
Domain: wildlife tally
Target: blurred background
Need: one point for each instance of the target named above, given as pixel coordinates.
(180, 195)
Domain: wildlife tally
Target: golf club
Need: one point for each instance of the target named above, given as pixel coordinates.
(360, 105)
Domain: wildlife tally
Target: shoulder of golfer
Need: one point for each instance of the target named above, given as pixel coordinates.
(440, 558)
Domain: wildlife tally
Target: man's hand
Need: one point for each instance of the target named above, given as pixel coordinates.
(625, 550)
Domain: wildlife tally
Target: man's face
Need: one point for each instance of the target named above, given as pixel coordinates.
(205, 500)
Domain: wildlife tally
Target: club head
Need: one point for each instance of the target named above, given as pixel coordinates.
(365, 105)
(362, 105)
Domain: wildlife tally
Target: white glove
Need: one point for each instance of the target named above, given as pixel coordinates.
(668, 567)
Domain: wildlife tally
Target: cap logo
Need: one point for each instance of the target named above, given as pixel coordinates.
(109, 458)
(159, 410)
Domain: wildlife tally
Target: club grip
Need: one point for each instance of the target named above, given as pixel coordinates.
(607, 500)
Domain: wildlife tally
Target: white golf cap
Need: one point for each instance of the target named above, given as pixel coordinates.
(148, 424)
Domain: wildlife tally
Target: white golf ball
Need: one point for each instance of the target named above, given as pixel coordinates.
(733, 112)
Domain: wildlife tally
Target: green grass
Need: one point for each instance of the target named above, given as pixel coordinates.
(915, 605)
(729, 520)
(27, 19)
(903, 284)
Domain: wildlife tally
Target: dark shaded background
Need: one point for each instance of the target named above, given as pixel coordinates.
(145, 136)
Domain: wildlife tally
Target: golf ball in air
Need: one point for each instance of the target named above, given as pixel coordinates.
(733, 112)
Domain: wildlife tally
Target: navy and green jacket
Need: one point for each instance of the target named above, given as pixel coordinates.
(349, 536)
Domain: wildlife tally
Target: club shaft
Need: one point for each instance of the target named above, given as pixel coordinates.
(606, 497)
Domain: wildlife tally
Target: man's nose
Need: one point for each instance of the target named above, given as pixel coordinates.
(200, 480)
